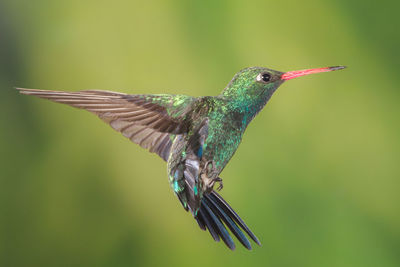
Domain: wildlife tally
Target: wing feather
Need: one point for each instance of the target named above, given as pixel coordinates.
(148, 120)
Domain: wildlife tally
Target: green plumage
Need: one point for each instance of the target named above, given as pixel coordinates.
(228, 115)
(196, 136)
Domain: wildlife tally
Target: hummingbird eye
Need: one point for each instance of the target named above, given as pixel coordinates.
(263, 77)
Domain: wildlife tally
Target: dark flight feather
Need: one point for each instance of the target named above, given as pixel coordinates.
(212, 229)
(222, 232)
(233, 215)
(147, 120)
(229, 222)
(213, 211)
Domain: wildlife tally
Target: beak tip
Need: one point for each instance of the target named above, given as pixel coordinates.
(337, 68)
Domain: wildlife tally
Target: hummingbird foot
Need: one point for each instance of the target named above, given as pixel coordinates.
(209, 177)
(221, 185)
(208, 183)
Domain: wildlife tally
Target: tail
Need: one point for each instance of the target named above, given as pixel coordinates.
(213, 211)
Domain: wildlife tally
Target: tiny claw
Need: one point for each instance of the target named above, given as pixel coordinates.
(219, 188)
(221, 185)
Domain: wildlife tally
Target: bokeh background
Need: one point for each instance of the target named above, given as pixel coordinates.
(316, 176)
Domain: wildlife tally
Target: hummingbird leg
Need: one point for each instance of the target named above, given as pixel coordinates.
(216, 180)
(209, 167)
(209, 177)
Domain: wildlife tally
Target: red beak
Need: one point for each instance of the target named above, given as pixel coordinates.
(294, 74)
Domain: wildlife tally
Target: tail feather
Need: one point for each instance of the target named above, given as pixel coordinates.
(221, 230)
(230, 223)
(200, 221)
(231, 213)
(207, 220)
(215, 213)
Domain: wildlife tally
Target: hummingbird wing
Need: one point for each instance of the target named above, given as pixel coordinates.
(152, 121)
(187, 172)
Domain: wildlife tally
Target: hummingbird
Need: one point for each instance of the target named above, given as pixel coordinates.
(196, 136)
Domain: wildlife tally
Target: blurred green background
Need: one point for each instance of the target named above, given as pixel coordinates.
(316, 176)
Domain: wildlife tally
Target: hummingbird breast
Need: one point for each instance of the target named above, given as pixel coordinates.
(225, 129)
(224, 136)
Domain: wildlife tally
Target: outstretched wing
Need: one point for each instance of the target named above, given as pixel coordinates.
(152, 121)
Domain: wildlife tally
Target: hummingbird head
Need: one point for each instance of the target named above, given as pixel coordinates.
(252, 84)
(251, 88)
